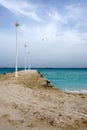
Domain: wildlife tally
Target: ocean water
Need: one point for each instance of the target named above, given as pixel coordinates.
(8, 70)
(70, 79)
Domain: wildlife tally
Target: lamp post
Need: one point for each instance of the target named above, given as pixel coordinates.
(16, 65)
(25, 56)
(28, 60)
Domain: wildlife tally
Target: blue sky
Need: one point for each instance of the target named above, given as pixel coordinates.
(55, 32)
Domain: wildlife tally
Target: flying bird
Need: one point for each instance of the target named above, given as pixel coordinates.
(25, 45)
(42, 39)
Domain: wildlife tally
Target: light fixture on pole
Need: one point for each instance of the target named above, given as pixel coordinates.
(16, 65)
(25, 56)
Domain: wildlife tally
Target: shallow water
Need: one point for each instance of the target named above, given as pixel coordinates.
(74, 80)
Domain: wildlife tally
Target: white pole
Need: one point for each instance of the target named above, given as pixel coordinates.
(16, 66)
(28, 60)
(25, 56)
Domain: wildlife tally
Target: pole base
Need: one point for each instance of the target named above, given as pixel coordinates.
(16, 74)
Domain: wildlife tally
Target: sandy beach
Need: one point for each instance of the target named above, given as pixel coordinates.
(31, 102)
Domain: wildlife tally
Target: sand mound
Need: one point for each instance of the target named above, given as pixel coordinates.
(31, 102)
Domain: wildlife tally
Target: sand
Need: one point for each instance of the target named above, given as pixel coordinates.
(31, 102)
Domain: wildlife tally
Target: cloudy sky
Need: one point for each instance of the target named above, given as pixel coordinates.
(55, 32)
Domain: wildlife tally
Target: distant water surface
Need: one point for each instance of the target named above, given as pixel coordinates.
(8, 70)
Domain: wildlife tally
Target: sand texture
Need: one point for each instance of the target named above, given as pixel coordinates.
(31, 102)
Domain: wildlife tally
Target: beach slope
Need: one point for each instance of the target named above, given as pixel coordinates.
(31, 102)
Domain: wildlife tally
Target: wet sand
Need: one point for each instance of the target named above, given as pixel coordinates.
(31, 102)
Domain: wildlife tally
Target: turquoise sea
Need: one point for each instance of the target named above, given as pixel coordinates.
(67, 79)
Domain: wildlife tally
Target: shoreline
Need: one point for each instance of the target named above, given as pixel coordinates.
(77, 91)
(84, 91)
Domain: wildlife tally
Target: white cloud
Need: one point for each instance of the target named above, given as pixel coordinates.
(23, 8)
(76, 14)
(53, 37)
(71, 15)
(74, 11)
(57, 17)
(67, 47)
(61, 44)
